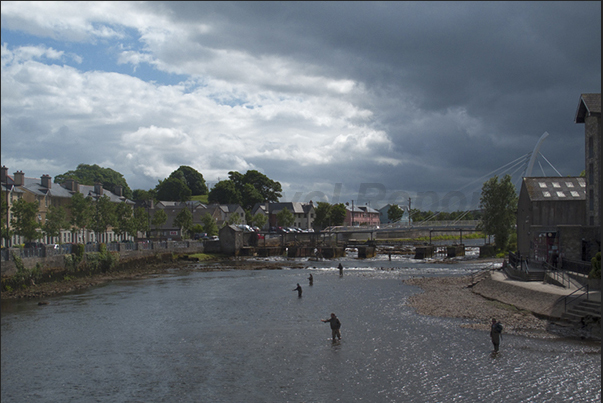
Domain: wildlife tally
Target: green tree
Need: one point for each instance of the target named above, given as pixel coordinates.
(258, 220)
(56, 220)
(224, 192)
(25, 219)
(193, 179)
(209, 225)
(499, 204)
(124, 220)
(140, 221)
(103, 215)
(269, 190)
(159, 218)
(144, 195)
(184, 220)
(285, 218)
(81, 212)
(6, 232)
(91, 174)
(173, 189)
(337, 214)
(233, 219)
(322, 215)
(250, 196)
(394, 213)
(247, 190)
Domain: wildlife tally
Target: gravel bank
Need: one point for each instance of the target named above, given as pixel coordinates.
(522, 311)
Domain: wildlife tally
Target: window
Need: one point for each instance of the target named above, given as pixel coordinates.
(556, 185)
(560, 194)
(569, 184)
(542, 185)
(546, 194)
(574, 193)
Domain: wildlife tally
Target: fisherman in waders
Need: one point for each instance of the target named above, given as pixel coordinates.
(335, 326)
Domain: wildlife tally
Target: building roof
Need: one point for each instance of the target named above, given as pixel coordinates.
(590, 104)
(555, 188)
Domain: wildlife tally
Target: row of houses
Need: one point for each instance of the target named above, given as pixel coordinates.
(47, 194)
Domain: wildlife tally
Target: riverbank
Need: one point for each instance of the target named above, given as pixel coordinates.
(522, 311)
(130, 272)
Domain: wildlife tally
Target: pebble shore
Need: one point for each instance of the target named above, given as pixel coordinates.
(461, 297)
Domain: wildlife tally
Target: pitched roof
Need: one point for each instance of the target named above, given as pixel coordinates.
(590, 104)
(555, 188)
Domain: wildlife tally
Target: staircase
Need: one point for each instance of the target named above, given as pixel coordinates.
(581, 309)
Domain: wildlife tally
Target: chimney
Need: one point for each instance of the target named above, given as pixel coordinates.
(72, 185)
(119, 190)
(151, 204)
(46, 181)
(98, 188)
(19, 178)
(4, 172)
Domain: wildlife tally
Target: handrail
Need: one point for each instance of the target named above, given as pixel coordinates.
(552, 269)
(567, 298)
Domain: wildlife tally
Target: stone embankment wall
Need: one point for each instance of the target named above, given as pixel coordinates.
(58, 263)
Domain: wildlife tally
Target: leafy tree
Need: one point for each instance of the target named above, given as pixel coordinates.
(140, 221)
(193, 179)
(81, 212)
(259, 220)
(322, 215)
(224, 192)
(6, 232)
(25, 219)
(103, 215)
(184, 220)
(56, 220)
(209, 225)
(499, 204)
(338, 213)
(197, 229)
(173, 189)
(248, 189)
(233, 219)
(159, 218)
(144, 195)
(269, 190)
(285, 217)
(250, 196)
(90, 174)
(394, 213)
(124, 220)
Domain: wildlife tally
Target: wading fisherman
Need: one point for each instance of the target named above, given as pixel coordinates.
(495, 333)
(335, 326)
(299, 290)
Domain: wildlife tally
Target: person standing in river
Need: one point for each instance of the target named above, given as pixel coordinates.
(311, 279)
(299, 290)
(335, 326)
(495, 334)
(340, 267)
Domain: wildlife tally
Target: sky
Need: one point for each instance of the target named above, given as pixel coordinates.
(358, 102)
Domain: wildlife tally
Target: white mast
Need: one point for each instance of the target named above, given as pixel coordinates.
(535, 154)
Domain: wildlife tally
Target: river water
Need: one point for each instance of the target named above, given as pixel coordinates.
(245, 336)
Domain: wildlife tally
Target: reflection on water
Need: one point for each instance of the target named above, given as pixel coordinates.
(244, 336)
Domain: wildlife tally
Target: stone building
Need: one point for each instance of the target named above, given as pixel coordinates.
(547, 210)
(589, 113)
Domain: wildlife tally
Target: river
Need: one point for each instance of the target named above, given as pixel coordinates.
(245, 336)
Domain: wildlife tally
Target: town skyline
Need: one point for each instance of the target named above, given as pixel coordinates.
(386, 101)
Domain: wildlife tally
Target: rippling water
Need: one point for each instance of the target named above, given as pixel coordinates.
(245, 336)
